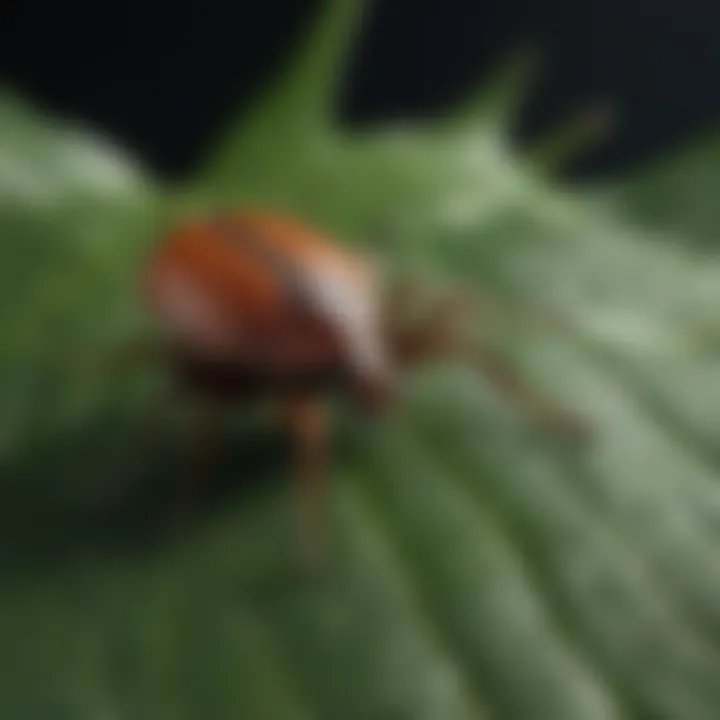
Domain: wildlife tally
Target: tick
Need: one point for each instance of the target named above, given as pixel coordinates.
(255, 305)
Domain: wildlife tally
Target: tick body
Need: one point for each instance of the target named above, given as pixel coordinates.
(254, 304)
(259, 303)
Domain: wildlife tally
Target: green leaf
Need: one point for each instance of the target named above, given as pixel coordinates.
(294, 115)
(478, 570)
(75, 214)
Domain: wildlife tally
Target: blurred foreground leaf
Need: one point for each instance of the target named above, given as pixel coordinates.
(479, 571)
(676, 194)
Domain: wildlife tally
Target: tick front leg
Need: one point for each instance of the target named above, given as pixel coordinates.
(540, 409)
(432, 332)
(439, 336)
(208, 417)
(307, 420)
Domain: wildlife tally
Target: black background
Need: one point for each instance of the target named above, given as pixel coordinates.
(164, 79)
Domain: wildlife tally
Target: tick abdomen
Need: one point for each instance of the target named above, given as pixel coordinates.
(250, 284)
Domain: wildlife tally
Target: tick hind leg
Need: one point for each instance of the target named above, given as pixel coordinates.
(438, 336)
(207, 417)
(151, 426)
(307, 422)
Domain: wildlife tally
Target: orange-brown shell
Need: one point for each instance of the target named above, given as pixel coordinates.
(203, 282)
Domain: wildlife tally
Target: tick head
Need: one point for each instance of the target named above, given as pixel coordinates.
(371, 370)
(373, 393)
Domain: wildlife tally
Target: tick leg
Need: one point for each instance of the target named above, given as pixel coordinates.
(308, 425)
(524, 397)
(208, 419)
(132, 353)
(151, 426)
(437, 337)
(432, 331)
